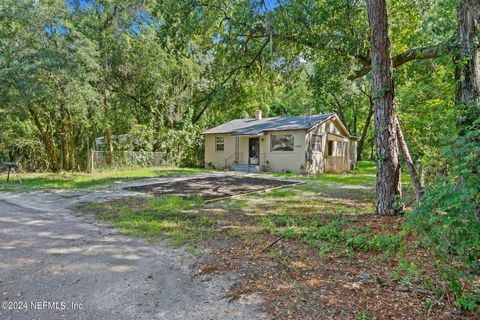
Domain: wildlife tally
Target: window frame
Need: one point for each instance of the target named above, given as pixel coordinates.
(272, 137)
(340, 148)
(217, 144)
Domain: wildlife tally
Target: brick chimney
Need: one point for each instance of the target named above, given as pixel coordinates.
(258, 115)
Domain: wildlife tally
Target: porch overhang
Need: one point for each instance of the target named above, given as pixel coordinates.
(335, 137)
(247, 135)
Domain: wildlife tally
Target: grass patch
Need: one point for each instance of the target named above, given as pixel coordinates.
(366, 167)
(155, 218)
(66, 180)
(280, 193)
(331, 178)
(291, 243)
(363, 175)
(298, 213)
(337, 234)
(319, 213)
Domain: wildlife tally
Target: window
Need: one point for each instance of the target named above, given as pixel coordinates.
(282, 142)
(219, 144)
(316, 143)
(330, 148)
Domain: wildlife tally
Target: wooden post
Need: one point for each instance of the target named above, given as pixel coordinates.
(8, 174)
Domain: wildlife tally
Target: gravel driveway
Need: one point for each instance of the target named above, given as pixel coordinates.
(55, 265)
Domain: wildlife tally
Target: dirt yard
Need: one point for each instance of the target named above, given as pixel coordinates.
(210, 188)
(308, 251)
(86, 270)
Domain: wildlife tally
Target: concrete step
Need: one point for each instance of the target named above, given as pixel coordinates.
(246, 168)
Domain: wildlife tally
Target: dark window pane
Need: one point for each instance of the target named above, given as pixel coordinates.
(330, 148)
(219, 144)
(282, 142)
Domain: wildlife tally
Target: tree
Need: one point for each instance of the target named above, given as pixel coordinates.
(448, 217)
(467, 72)
(43, 75)
(76, 70)
(388, 166)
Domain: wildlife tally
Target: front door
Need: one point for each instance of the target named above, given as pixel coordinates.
(254, 151)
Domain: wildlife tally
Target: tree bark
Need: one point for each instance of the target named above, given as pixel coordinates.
(388, 168)
(71, 143)
(361, 142)
(109, 147)
(410, 165)
(341, 113)
(467, 71)
(47, 141)
(64, 138)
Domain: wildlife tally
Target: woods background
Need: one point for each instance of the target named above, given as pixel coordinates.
(162, 71)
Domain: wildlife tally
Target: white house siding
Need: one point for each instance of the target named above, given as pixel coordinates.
(217, 158)
(278, 161)
(282, 161)
(318, 162)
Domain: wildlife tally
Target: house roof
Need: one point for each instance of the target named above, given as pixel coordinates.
(254, 127)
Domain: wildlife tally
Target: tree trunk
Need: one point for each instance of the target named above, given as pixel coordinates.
(47, 141)
(109, 147)
(72, 151)
(355, 121)
(341, 113)
(467, 71)
(361, 142)
(64, 138)
(410, 165)
(72, 147)
(388, 168)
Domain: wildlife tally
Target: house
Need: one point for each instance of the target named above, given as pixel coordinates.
(299, 144)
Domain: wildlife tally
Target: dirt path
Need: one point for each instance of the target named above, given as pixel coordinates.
(48, 255)
(213, 187)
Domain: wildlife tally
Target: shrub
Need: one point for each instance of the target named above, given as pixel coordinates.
(448, 219)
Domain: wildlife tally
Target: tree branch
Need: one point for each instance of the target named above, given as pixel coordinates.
(415, 53)
(230, 74)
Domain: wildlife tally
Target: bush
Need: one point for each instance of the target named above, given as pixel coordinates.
(448, 219)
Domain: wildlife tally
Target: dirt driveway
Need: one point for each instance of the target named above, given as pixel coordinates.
(213, 187)
(55, 265)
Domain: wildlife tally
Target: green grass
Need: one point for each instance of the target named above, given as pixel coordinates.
(64, 180)
(331, 178)
(280, 193)
(369, 168)
(157, 217)
(321, 213)
(363, 315)
(327, 227)
(365, 167)
(298, 213)
(363, 175)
